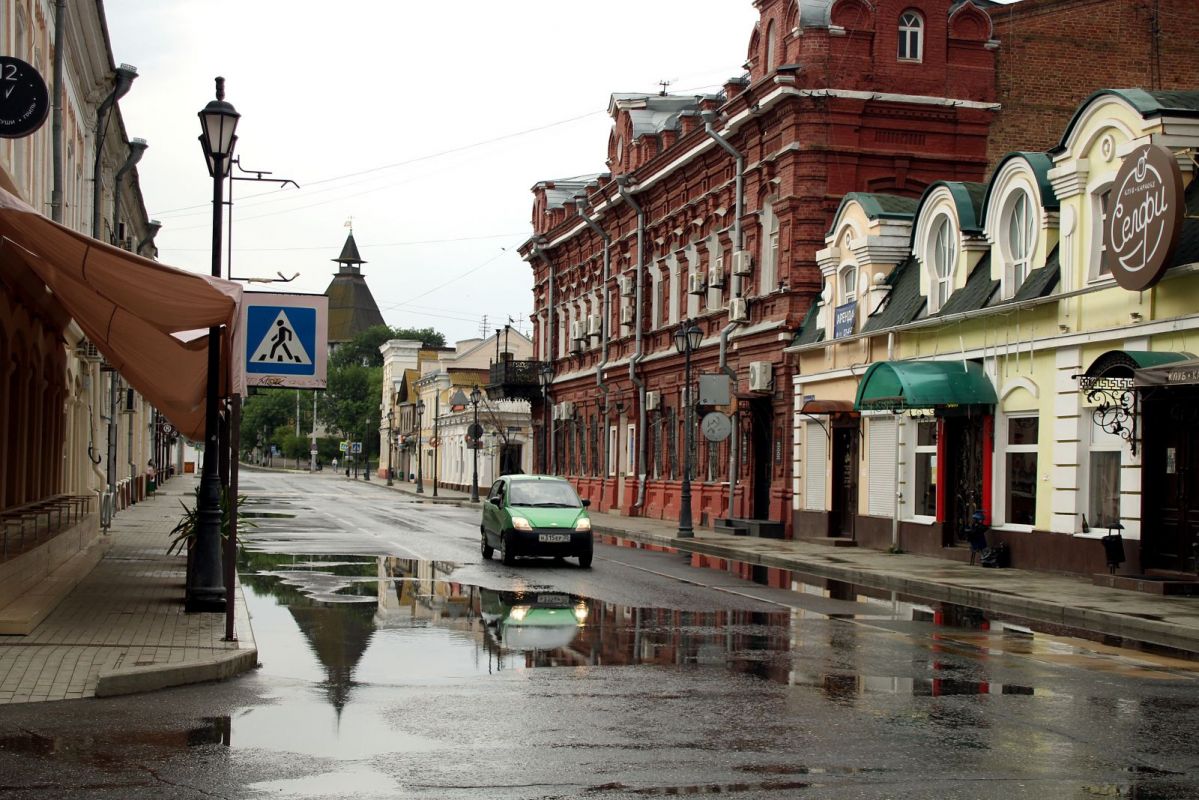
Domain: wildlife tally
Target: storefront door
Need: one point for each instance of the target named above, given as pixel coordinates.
(963, 459)
(1170, 524)
(845, 481)
(762, 417)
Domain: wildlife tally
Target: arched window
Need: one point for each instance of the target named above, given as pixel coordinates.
(771, 48)
(849, 283)
(911, 37)
(1021, 236)
(944, 257)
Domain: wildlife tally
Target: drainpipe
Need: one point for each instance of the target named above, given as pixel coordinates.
(599, 369)
(137, 147)
(551, 319)
(638, 352)
(60, 26)
(152, 229)
(121, 83)
(734, 291)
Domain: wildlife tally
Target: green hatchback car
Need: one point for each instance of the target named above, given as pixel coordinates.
(535, 515)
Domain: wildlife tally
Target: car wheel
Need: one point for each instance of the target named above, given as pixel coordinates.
(585, 560)
(487, 549)
(506, 554)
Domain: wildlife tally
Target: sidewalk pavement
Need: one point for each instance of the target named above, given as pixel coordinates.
(123, 628)
(1062, 599)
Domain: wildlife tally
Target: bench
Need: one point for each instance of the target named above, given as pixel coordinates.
(47, 514)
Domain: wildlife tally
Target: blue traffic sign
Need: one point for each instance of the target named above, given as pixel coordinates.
(284, 339)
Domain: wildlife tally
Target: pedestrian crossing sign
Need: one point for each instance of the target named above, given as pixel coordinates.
(283, 340)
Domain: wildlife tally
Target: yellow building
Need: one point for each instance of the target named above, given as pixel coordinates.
(985, 350)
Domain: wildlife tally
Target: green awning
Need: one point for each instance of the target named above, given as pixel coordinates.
(1123, 363)
(924, 384)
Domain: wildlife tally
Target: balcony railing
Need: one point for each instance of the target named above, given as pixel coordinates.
(514, 380)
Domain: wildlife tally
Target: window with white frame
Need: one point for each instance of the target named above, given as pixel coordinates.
(1100, 201)
(944, 257)
(911, 37)
(630, 443)
(924, 481)
(612, 441)
(1020, 237)
(849, 283)
(1020, 470)
(1103, 479)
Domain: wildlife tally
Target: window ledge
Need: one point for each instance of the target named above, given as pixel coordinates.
(1012, 528)
(920, 520)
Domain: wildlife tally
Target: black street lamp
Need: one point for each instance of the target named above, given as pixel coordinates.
(546, 376)
(475, 394)
(420, 481)
(686, 340)
(218, 122)
(436, 440)
(366, 452)
(390, 449)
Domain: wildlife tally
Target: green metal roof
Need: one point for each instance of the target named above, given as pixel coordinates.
(924, 384)
(1147, 104)
(967, 199)
(880, 206)
(1116, 363)
(1040, 164)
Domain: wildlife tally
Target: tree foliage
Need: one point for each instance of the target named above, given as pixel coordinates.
(363, 349)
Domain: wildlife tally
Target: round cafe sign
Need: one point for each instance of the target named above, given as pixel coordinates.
(1144, 217)
(24, 99)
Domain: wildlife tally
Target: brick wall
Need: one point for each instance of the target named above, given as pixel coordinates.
(1054, 53)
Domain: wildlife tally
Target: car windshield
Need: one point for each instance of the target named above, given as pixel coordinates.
(544, 494)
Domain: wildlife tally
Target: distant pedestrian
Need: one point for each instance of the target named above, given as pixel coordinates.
(335, 463)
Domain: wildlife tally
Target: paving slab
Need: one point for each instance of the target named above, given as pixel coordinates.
(123, 629)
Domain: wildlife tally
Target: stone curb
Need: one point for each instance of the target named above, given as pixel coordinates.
(151, 678)
(1089, 619)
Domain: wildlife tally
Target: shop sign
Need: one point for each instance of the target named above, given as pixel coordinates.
(844, 317)
(1145, 212)
(24, 99)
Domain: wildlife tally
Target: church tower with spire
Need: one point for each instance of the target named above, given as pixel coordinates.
(352, 308)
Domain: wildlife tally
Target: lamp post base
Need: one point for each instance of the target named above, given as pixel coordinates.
(206, 599)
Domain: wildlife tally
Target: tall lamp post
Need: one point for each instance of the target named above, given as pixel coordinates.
(546, 376)
(475, 394)
(686, 341)
(390, 450)
(218, 122)
(420, 481)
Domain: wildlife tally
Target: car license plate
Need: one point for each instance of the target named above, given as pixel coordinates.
(553, 537)
(553, 600)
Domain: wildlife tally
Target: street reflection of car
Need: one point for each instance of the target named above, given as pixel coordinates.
(530, 620)
(535, 515)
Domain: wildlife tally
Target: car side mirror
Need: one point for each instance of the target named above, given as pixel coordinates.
(586, 503)
(498, 502)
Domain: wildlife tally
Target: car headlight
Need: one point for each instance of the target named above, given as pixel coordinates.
(584, 524)
(521, 524)
(518, 613)
(581, 613)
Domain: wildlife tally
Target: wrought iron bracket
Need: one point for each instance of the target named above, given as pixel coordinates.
(1115, 405)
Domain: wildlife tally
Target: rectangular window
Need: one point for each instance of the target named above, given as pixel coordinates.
(1021, 470)
(925, 483)
(631, 450)
(611, 450)
(1103, 507)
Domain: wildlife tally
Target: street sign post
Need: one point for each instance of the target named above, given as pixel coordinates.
(283, 340)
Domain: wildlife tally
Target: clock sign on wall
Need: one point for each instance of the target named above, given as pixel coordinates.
(24, 99)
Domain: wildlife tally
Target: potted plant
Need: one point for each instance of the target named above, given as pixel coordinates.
(183, 535)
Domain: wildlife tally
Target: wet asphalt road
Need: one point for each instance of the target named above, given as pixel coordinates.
(397, 663)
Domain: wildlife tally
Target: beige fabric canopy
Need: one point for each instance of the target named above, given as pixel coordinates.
(130, 307)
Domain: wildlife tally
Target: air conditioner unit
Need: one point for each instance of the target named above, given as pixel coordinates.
(595, 326)
(626, 314)
(716, 273)
(742, 263)
(575, 328)
(738, 310)
(760, 374)
(557, 411)
(627, 285)
(695, 283)
(653, 401)
(568, 409)
(87, 351)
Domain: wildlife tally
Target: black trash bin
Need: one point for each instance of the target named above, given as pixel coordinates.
(1113, 547)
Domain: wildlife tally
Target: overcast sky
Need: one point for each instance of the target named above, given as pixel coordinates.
(425, 123)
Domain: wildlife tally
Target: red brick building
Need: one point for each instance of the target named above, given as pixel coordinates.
(1053, 53)
(712, 209)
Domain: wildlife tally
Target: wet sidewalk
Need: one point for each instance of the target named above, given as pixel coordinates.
(123, 628)
(1068, 600)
